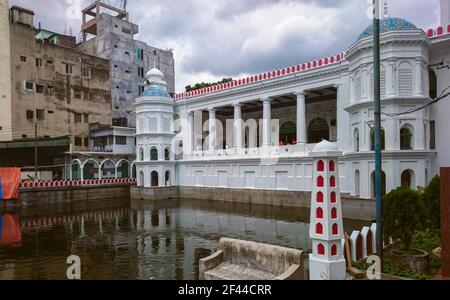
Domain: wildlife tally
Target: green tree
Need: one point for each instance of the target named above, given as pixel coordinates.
(198, 86)
(431, 198)
(403, 214)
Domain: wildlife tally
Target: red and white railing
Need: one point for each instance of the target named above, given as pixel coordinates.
(441, 30)
(334, 59)
(74, 183)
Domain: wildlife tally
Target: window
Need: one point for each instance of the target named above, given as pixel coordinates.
(30, 115)
(49, 62)
(167, 154)
(141, 89)
(50, 112)
(356, 140)
(121, 140)
(86, 142)
(127, 53)
(29, 86)
(432, 135)
(23, 59)
(141, 154)
(406, 138)
(86, 118)
(154, 154)
(50, 90)
(69, 68)
(39, 62)
(40, 114)
(86, 72)
(77, 93)
(39, 88)
(128, 71)
(78, 141)
(77, 118)
(405, 79)
(140, 54)
(141, 72)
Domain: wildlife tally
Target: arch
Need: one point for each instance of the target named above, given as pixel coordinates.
(383, 184)
(320, 249)
(357, 183)
(123, 170)
(406, 137)
(167, 179)
(89, 170)
(331, 166)
(369, 246)
(356, 140)
(372, 139)
(154, 154)
(319, 213)
(109, 171)
(407, 178)
(167, 153)
(288, 133)
(332, 181)
(154, 179)
(335, 229)
(334, 250)
(333, 197)
(319, 197)
(141, 178)
(141, 153)
(320, 181)
(318, 130)
(319, 228)
(133, 170)
(320, 166)
(75, 170)
(334, 213)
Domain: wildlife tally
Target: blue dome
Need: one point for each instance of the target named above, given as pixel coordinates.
(155, 90)
(389, 24)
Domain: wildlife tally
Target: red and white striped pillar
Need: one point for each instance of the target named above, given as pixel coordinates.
(326, 262)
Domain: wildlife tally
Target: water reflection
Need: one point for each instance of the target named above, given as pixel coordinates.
(139, 240)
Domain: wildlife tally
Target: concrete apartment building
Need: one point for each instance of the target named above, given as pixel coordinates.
(109, 34)
(56, 92)
(5, 74)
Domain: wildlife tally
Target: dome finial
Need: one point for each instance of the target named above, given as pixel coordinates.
(386, 10)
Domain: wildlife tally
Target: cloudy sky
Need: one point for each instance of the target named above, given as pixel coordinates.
(235, 38)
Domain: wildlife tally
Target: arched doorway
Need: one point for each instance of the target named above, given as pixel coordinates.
(141, 179)
(167, 154)
(123, 169)
(318, 130)
(406, 138)
(407, 178)
(76, 170)
(108, 169)
(288, 133)
(154, 154)
(167, 178)
(155, 179)
(383, 184)
(90, 169)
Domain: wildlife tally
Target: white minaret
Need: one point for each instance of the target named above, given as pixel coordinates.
(326, 229)
(445, 12)
(5, 74)
(155, 164)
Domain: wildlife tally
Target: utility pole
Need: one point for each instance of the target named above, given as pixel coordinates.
(377, 116)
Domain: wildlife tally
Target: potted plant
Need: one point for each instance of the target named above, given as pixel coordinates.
(403, 215)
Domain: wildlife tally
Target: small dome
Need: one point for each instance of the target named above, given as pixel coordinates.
(154, 73)
(155, 91)
(389, 24)
(325, 146)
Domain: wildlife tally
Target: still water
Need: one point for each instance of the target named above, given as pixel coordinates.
(138, 239)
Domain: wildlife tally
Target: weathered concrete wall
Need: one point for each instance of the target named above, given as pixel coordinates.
(5, 75)
(153, 193)
(42, 196)
(353, 208)
(68, 103)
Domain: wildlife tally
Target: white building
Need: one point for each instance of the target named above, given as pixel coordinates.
(329, 98)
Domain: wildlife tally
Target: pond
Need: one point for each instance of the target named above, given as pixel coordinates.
(139, 239)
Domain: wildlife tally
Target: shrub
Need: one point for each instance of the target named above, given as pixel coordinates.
(431, 201)
(402, 215)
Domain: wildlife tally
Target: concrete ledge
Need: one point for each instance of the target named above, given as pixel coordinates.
(54, 195)
(353, 208)
(157, 193)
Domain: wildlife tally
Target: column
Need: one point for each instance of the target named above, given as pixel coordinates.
(190, 132)
(237, 126)
(212, 128)
(418, 90)
(301, 118)
(267, 116)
